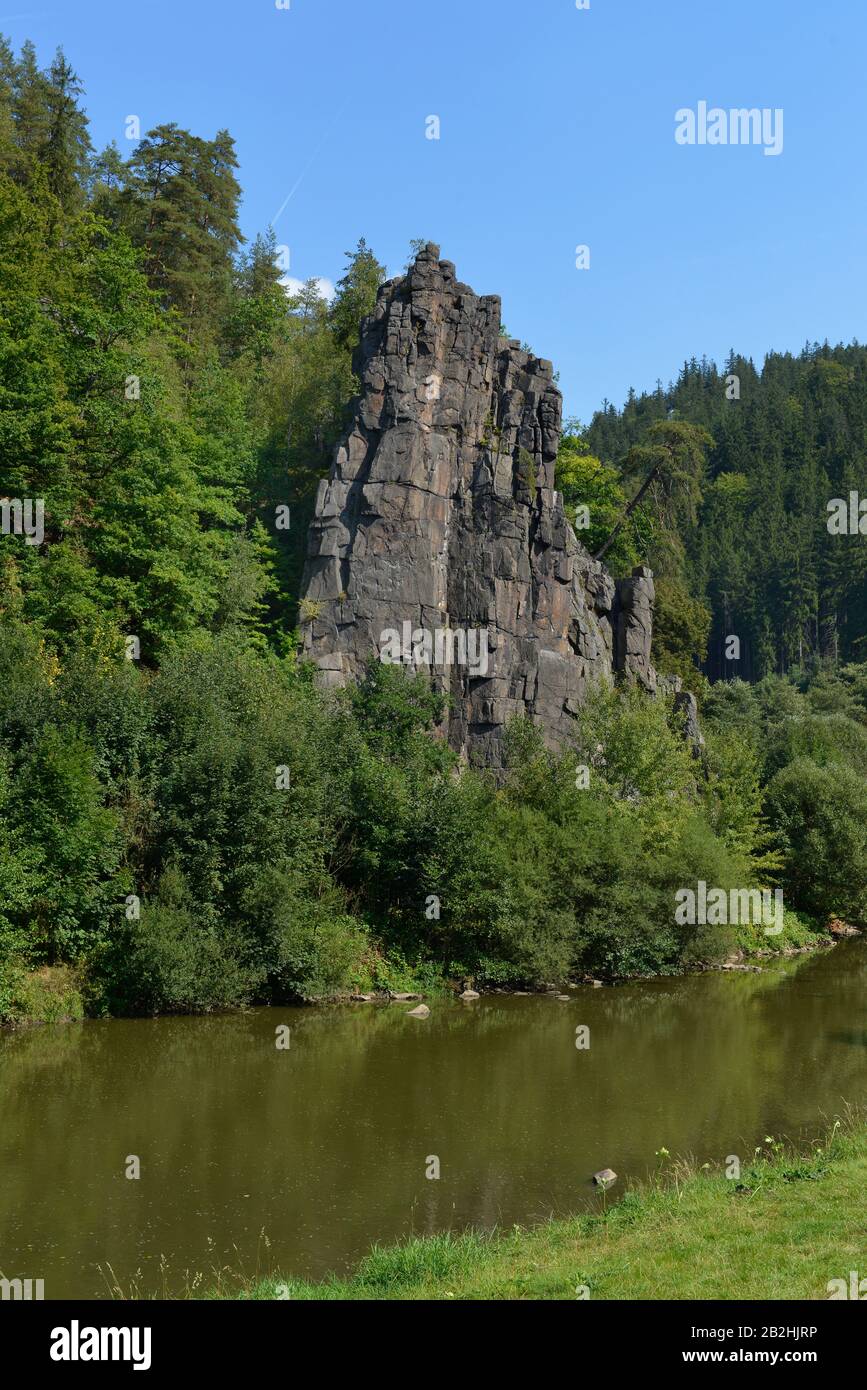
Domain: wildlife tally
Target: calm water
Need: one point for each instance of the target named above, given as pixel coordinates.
(324, 1146)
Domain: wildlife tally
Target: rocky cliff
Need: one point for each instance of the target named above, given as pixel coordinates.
(439, 538)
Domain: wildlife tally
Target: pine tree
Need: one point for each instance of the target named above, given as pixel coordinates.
(182, 208)
(30, 108)
(108, 176)
(8, 88)
(66, 147)
(759, 552)
(356, 294)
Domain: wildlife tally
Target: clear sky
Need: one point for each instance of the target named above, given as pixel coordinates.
(557, 129)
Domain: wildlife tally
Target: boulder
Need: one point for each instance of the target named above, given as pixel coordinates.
(604, 1177)
(839, 928)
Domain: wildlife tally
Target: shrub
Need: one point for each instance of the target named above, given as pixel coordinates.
(169, 963)
(822, 814)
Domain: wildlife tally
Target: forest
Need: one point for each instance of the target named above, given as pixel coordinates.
(756, 557)
(174, 408)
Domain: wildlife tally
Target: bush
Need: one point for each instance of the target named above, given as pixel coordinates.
(286, 844)
(822, 814)
(52, 994)
(167, 963)
(826, 739)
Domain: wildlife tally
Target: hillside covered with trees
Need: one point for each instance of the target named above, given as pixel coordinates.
(750, 555)
(186, 822)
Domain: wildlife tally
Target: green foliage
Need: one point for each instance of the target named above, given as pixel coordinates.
(734, 795)
(754, 548)
(52, 994)
(179, 204)
(799, 931)
(356, 294)
(822, 814)
(167, 963)
(585, 482)
(792, 742)
(681, 626)
(198, 826)
(527, 472)
(274, 836)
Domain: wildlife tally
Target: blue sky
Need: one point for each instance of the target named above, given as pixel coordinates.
(556, 130)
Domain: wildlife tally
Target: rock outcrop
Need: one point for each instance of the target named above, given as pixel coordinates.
(439, 538)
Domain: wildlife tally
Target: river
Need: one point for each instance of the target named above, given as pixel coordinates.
(324, 1145)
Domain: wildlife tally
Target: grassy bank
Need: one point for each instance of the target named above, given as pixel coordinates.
(51, 994)
(792, 1222)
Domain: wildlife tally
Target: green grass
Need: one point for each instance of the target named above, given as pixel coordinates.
(51, 994)
(799, 930)
(790, 1224)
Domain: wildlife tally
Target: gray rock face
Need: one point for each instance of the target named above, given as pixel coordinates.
(634, 627)
(686, 706)
(439, 540)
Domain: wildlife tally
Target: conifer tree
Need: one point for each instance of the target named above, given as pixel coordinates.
(356, 294)
(66, 147)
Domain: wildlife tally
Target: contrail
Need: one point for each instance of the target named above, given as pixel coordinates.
(308, 165)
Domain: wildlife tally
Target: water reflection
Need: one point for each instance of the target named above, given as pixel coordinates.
(324, 1145)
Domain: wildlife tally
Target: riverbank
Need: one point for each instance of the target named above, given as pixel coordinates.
(63, 993)
(51, 994)
(792, 1223)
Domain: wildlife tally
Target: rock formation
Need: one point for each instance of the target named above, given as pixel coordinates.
(439, 538)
